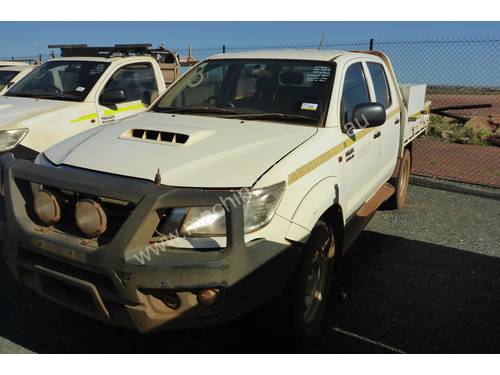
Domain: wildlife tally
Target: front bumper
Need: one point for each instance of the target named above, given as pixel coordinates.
(126, 281)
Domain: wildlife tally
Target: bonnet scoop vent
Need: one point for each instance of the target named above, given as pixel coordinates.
(156, 136)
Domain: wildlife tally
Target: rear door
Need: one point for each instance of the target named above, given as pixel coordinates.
(384, 93)
(139, 84)
(361, 154)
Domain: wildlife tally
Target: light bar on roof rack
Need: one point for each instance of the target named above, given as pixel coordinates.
(134, 46)
(83, 50)
(67, 46)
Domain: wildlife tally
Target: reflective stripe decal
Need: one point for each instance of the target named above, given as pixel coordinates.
(324, 157)
(393, 113)
(83, 118)
(109, 112)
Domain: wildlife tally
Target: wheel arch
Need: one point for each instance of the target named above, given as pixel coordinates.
(320, 202)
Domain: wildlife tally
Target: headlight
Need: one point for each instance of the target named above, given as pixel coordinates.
(11, 138)
(259, 206)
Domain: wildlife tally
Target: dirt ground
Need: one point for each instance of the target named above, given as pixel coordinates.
(466, 163)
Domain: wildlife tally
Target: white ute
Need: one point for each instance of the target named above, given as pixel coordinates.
(246, 181)
(84, 88)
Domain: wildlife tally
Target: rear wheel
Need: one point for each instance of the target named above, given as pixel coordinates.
(401, 183)
(309, 289)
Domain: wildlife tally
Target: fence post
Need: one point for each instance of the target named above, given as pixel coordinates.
(223, 48)
(371, 44)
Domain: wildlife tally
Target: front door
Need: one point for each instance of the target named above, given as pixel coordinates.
(361, 146)
(139, 86)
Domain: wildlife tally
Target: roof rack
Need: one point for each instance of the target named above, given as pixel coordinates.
(83, 50)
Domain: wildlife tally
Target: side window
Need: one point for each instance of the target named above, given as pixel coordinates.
(380, 84)
(354, 92)
(137, 82)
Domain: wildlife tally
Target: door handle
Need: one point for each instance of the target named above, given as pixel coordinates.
(396, 122)
(377, 134)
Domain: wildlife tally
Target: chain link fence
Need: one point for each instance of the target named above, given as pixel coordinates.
(463, 81)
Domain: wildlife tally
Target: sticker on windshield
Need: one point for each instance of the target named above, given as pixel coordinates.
(309, 106)
(80, 89)
(98, 69)
(320, 73)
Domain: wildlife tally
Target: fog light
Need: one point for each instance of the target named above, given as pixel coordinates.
(90, 217)
(208, 297)
(47, 207)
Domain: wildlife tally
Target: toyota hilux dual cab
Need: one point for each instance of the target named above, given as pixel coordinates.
(244, 183)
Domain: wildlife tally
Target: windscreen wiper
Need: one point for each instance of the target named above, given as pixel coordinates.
(273, 116)
(60, 96)
(202, 110)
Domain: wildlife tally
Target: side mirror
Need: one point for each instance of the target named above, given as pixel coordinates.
(112, 96)
(149, 96)
(368, 115)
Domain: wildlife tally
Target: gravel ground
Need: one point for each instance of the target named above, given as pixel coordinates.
(421, 280)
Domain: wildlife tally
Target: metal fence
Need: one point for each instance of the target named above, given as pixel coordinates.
(461, 67)
(463, 79)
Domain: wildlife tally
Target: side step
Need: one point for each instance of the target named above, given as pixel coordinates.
(362, 217)
(370, 206)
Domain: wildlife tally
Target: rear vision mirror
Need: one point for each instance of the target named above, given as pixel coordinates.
(291, 78)
(112, 96)
(367, 115)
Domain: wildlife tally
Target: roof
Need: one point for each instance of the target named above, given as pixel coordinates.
(16, 68)
(292, 54)
(13, 63)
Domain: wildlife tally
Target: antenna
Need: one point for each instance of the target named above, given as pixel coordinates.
(321, 40)
(158, 177)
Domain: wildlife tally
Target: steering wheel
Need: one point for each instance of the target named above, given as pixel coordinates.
(218, 99)
(195, 83)
(53, 88)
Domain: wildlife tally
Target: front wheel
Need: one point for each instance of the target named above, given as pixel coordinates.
(308, 291)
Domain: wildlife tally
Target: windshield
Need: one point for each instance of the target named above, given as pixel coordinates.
(62, 80)
(292, 91)
(6, 76)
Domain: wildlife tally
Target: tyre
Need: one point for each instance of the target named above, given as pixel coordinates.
(307, 294)
(397, 200)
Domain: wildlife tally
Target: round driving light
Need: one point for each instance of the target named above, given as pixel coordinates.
(47, 207)
(208, 297)
(90, 217)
